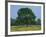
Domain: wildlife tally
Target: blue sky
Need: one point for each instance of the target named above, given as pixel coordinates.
(15, 8)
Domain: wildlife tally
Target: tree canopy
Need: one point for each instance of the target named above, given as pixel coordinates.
(25, 16)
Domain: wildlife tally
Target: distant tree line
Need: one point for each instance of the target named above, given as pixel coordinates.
(25, 17)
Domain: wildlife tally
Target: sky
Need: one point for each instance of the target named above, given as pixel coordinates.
(14, 9)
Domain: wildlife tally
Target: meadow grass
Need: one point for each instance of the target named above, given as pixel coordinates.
(25, 28)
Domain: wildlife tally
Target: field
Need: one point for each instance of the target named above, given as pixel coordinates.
(25, 28)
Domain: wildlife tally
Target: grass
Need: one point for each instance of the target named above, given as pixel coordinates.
(25, 28)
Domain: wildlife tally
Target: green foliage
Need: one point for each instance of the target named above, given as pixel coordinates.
(25, 16)
(39, 21)
(12, 22)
